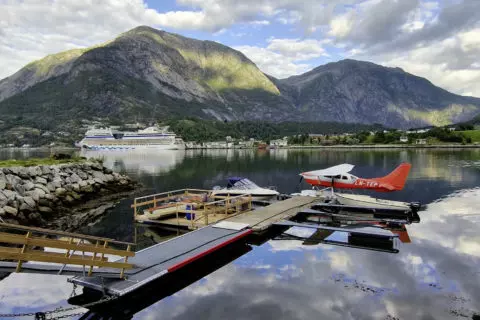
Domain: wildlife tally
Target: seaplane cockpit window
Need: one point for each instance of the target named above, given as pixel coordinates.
(344, 178)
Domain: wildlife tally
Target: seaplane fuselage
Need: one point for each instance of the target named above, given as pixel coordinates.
(340, 178)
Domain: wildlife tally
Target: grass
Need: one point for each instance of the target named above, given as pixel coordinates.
(441, 117)
(38, 162)
(473, 134)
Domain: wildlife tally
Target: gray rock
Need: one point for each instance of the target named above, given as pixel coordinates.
(68, 180)
(44, 203)
(25, 208)
(13, 180)
(76, 187)
(11, 210)
(3, 197)
(45, 210)
(2, 212)
(82, 175)
(76, 196)
(99, 175)
(34, 171)
(45, 170)
(91, 182)
(99, 181)
(57, 183)
(39, 193)
(50, 197)
(42, 187)
(29, 201)
(41, 180)
(23, 173)
(109, 178)
(75, 178)
(96, 166)
(51, 187)
(34, 216)
(87, 189)
(3, 183)
(83, 183)
(60, 192)
(69, 199)
(28, 185)
(20, 189)
(11, 195)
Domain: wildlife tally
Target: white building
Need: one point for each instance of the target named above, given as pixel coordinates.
(404, 139)
(279, 142)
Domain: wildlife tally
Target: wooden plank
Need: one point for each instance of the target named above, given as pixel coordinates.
(263, 218)
(59, 244)
(49, 257)
(60, 233)
(19, 250)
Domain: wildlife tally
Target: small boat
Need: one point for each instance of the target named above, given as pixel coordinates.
(238, 185)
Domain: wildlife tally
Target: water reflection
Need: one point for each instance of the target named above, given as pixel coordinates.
(434, 276)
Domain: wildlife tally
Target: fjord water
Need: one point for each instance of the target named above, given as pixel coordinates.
(435, 276)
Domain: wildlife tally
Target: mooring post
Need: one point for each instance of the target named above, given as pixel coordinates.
(24, 248)
(93, 259)
(122, 273)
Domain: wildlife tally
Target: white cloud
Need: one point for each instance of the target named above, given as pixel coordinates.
(284, 57)
(340, 26)
(434, 39)
(273, 63)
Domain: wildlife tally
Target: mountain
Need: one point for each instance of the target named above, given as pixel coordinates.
(363, 92)
(145, 75)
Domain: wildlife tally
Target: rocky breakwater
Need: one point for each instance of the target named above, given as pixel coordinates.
(66, 195)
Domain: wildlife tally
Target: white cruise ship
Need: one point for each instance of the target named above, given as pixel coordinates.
(149, 138)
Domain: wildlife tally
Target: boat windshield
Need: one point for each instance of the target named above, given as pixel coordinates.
(243, 184)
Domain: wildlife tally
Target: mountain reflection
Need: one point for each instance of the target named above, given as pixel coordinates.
(433, 276)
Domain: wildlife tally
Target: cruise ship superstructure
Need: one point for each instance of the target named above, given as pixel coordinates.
(149, 138)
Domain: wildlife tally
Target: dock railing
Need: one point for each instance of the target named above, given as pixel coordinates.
(197, 204)
(22, 243)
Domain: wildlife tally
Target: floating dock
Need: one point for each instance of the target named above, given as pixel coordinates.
(225, 221)
(154, 262)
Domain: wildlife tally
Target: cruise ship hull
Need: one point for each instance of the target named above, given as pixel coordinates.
(133, 147)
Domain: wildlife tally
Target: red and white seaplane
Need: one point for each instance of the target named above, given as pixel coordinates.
(338, 177)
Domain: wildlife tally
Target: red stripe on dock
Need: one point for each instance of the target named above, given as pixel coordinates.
(204, 253)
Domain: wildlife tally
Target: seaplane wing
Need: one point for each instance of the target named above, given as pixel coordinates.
(332, 171)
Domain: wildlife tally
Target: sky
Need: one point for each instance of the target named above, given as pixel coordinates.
(436, 39)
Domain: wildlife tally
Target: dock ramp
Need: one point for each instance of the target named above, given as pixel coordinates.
(157, 261)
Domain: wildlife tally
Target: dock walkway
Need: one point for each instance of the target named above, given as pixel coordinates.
(262, 218)
(156, 261)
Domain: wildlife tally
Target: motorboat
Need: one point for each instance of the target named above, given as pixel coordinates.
(239, 185)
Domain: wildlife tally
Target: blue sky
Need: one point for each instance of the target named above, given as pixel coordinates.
(436, 39)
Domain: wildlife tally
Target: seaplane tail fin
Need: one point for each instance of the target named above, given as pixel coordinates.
(397, 178)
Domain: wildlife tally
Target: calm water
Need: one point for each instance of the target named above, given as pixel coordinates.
(436, 276)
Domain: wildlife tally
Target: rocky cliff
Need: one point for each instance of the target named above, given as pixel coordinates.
(146, 74)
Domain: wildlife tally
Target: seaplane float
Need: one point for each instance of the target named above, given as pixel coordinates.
(339, 177)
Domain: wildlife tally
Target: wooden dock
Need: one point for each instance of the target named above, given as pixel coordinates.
(166, 257)
(159, 260)
(262, 218)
